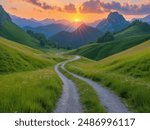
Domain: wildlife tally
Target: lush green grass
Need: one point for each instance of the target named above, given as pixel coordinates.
(132, 36)
(12, 32)
(88, 96)
(127, 73)
(15, 57)
(31, 91)
(28, 82)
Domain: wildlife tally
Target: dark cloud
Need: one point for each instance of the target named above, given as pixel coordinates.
(67, 8)
(92, 6)
(130, 9)
(40, 4)
(70, 8)
(97, 6)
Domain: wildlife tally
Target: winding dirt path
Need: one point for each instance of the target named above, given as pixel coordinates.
(109, 100)
(69, 101)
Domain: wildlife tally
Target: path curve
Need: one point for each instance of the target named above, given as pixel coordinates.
(69, 101)
(109, 100)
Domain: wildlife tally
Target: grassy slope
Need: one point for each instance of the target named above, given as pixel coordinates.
(88, 96)
(133, 35)
(28, 82)
(30, 91)
(127, 73)
(15, 57)
(12, 32)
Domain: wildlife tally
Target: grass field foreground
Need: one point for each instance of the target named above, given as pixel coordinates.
(31, 91)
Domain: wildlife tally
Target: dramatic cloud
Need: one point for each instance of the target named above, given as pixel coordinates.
(130, 9)
(40, 4)
(92, 6)
(70, 8)
(97, 6)
(67, 8)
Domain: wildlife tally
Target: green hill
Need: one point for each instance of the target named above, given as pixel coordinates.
(135, 34)
(127, 73)
(12, 32)
(28, 82)
(15, 57)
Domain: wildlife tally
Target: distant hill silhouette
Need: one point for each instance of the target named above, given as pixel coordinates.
(50, 30)
(81, 36)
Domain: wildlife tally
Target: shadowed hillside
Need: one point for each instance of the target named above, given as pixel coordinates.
(133, 35)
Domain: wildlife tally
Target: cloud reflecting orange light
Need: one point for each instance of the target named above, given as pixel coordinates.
(70, 9)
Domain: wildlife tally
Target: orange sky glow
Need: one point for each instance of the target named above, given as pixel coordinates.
(29, 9)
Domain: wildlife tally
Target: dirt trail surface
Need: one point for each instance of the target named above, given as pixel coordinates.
(109, 100)
(69, 101)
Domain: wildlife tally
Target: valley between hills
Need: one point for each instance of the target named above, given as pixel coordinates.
(61, 69)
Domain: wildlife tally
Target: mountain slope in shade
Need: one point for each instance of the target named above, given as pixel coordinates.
(3, 16)
(95, 23)
(133, 35)
(81, 36)
(146, 19)
(49, 30)
(114, 23)
(12, 32)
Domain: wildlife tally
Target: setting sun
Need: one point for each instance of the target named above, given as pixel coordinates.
(77, 20)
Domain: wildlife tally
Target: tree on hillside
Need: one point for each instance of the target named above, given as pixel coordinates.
(43, 40)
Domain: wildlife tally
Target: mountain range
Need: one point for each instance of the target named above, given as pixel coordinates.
(50, 29)
(81, 36)
(114, 22)
(67, 36)
(134, 34)
(24, 22)
(86, 34)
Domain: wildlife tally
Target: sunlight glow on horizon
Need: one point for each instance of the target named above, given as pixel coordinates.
(28, 10)
(77, 20)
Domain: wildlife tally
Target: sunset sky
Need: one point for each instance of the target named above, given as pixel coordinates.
(75, 10)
